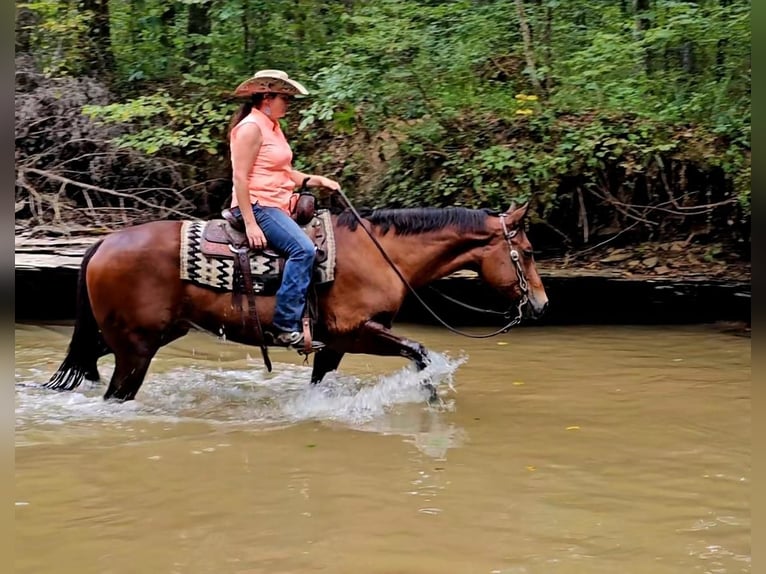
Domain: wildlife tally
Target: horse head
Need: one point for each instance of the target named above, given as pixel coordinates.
(508, 264)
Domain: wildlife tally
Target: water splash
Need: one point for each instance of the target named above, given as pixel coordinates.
(239, 397)
(338, 400)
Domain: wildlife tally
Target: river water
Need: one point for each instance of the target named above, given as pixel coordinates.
(553, 449)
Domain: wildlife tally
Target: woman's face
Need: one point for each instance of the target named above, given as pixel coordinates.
(278, 105)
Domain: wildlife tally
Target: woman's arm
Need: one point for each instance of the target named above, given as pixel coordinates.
(244, 150)
(314, 180)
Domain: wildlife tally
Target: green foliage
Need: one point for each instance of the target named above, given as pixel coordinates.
(449, 84)
(59, 36)
(162, 123)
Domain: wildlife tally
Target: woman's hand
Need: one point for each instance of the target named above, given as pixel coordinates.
(255, 236)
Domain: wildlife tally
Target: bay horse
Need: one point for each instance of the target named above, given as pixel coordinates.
(131, 300)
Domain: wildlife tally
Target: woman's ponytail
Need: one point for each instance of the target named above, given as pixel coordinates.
(244, 110)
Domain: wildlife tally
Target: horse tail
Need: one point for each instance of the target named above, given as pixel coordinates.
(87, 344)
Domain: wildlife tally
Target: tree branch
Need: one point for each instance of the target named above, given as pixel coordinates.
(85, 186)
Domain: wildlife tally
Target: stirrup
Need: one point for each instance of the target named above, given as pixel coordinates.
(294, 340)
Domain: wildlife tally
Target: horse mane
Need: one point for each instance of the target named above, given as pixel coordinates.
(413, 221)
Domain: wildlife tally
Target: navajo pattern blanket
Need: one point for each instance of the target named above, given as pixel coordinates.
(218, 273)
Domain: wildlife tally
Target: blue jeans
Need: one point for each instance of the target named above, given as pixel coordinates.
(286, 237)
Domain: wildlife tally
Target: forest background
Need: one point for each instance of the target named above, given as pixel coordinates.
(625, 123)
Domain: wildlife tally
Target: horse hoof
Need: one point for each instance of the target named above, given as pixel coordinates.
(433, 396)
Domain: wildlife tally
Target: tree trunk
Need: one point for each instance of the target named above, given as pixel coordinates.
(99, 35)
(720, 50)
(529, 54)
(135, 10)
(246, 44)
(688, 60)
(547, 40)
(299, 18)
(25, 20)
(198, 27)
(642, 23)
(167, 20)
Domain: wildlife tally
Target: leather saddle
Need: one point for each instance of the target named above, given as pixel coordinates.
(225, 238)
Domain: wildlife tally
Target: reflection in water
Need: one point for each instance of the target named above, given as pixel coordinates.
(568, 450)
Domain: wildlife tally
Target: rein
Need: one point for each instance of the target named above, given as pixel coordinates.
(515, 259)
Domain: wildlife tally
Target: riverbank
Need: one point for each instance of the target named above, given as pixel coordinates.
(647, 284)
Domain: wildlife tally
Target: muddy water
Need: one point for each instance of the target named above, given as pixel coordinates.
(565, 450)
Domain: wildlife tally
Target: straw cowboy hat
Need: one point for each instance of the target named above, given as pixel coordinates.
(274, 81)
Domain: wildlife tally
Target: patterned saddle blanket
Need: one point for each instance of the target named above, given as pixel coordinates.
(207, 260)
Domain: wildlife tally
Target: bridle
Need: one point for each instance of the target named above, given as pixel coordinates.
(508, 235)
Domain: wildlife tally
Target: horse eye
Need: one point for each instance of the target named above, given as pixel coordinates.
(528, 253)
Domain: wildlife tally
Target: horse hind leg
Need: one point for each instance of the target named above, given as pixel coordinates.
(132, 359)
(130, 367)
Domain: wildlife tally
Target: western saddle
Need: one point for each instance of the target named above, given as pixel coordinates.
(226, 239)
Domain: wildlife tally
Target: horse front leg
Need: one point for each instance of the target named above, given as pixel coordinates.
(325, 360)
(375, 339)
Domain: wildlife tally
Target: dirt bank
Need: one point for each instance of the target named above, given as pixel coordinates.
(646, 284)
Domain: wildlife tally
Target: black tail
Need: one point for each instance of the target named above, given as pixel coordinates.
(87, 344)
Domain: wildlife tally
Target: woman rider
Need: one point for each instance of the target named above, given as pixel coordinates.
(264, 180)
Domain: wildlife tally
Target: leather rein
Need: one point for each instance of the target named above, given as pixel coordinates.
(515, 260)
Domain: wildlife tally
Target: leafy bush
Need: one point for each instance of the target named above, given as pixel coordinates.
(626, 116)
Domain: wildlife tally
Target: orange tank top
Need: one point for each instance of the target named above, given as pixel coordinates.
(269, 180)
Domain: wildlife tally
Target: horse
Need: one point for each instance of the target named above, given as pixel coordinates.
(131, 300)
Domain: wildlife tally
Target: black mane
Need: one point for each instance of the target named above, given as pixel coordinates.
(419, 220)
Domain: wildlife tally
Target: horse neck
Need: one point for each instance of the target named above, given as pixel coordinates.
(429, 256)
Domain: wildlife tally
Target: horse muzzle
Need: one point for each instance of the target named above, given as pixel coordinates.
(536, 306)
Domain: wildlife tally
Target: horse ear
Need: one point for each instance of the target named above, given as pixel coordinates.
(516, 214)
